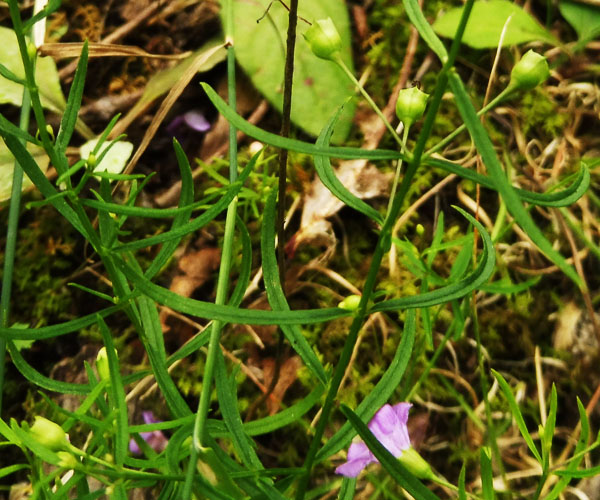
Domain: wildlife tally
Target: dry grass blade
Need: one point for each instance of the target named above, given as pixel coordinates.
(68, 50)
(166, 105)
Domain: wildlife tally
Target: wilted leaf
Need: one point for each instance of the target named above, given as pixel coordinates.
(585, 19)
(320, 87)
(487, 21)
(45, 74)
(7, 165)
(115, 159)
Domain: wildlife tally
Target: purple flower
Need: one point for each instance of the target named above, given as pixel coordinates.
(389, 427)
(192, 119)
(155, 439)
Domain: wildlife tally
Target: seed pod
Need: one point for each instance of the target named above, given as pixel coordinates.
(350, 303)
(323, 39)
(410, 105)
(529, 72)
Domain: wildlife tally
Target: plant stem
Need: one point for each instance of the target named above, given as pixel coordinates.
(199, 432)
(11, 240)
(398, 167)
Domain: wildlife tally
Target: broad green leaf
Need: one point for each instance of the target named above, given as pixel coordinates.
(114, 160)
(45, 74)
(320, 87)
(7, 166)
(585, 19)
(487, 21)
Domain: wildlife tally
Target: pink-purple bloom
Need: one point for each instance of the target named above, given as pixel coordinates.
(155, 439)
(389, 427)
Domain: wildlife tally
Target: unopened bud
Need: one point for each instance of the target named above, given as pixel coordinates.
(67, 460)
(410, 105)
(92, 161)
(350, 303)
(420, 229)
(529, 72)
(323, 39)
(49, 434)
(102, 364)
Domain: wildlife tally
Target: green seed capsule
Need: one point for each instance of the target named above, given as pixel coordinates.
(410, 105)
(529, 72)
(323, 39)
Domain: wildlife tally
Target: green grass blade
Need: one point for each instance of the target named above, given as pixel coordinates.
(69, 119)
(398, 472)
(276, 295)
(490, 159)
(117, 395)
(487, 479)
(517, 415)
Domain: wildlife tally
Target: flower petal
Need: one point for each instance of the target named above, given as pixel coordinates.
(359, 457)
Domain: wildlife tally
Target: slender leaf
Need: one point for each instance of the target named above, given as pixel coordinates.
(330, 180)
(293, 144)
(510, 197)
(517, 415)
(487, 479)
(69, 119)
(276, 295)
(415, 14)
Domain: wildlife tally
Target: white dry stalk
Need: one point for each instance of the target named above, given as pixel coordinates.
(38, 32)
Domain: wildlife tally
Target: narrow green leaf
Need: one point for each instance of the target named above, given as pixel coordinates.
(415, 14)
(293, 144)
(510, 197)
(562, 198)
(398, 472)
(275, 294)
(347, 489)
(330, 180)
(516, 413)
(462, 492)
(117, 395)
(228, 314)
(487, 479)
(69, 119)
(549, 428)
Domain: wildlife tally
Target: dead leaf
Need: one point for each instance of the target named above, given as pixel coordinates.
(362, 179)
(288, 373)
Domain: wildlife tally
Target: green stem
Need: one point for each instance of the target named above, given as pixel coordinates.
(199, 433)
(11, 241)
(398, 167)
(492, 104)
(350, 75)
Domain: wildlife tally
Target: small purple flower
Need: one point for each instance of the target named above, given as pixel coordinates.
(192, 119)
(389, 427)
(155, 439)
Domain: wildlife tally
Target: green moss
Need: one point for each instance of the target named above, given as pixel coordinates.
(539, 112)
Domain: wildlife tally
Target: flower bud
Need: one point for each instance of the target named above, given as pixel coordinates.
(350, 303)
(102, 364)
(324, 39)
(410, 105)
(529, 72)
(92, 161)
(67, 460)
(49, 434)
(416, 464)
(420, 229)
